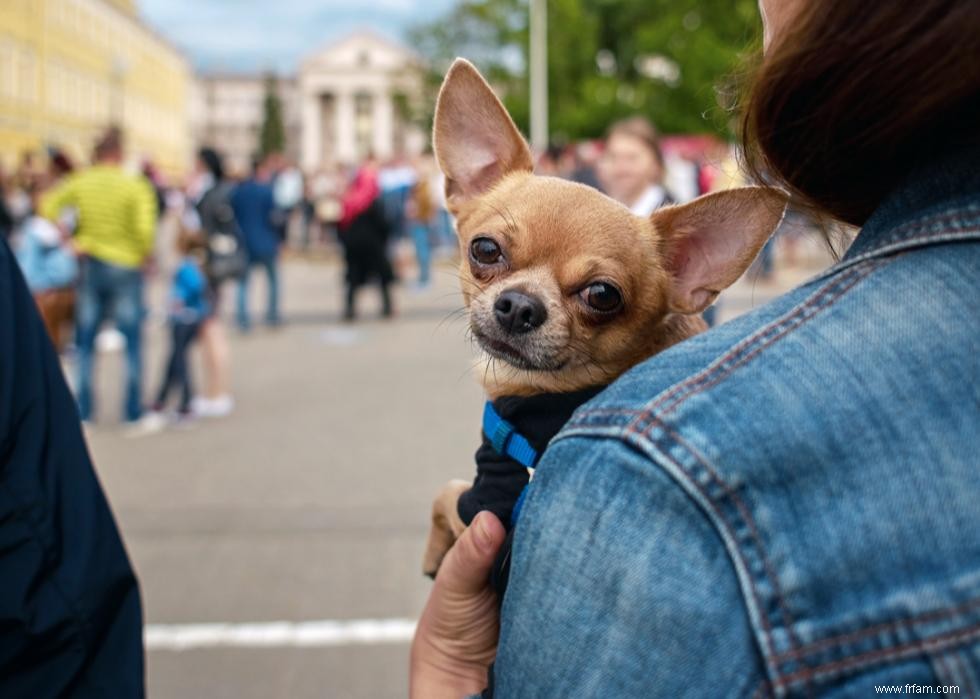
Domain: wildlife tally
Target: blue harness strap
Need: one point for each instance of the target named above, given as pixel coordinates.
(506, 440)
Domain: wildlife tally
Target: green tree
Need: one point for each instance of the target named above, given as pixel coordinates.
(272, 137)
(671, 60)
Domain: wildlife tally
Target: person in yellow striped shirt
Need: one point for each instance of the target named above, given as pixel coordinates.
(116, 216)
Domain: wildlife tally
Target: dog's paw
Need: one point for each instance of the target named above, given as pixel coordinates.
(441, 539)
(446, 526)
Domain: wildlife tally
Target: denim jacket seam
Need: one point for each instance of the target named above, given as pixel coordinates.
(754, 345)
(808, 668)
(713, 507)
(802, 658)
(909, 641)
(966, 215)
(731, 514)
(841, 640)
(710, 505)
(900, 651)
(928, 240)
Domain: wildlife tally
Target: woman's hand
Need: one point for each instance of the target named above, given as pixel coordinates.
(456, 639)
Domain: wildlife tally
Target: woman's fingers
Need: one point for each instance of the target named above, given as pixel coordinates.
(466, 567)
(456, 638)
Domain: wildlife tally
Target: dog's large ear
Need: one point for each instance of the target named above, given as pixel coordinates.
(475, 141)
(708, 243)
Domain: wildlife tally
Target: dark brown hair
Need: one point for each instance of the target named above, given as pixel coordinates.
(109, 145)
(641, 129)
(855, 93)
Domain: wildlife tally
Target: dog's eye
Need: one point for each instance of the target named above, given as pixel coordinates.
(485, 251)
(602, 297)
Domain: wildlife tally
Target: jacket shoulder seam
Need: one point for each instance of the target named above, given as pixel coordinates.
(751, 347)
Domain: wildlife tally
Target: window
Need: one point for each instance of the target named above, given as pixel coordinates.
(7, 69)
(28, 75)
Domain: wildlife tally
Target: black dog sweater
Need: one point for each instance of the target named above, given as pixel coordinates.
(500, 478)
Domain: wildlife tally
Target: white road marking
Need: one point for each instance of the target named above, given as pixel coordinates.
(300, 634)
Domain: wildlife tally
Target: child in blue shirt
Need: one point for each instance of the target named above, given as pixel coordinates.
(188, 308)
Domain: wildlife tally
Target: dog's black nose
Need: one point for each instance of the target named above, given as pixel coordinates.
(519, 313)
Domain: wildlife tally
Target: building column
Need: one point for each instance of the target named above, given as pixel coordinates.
(310, 129)
(383, 123)
(346, 130)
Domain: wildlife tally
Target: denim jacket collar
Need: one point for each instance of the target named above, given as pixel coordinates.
(936, 203)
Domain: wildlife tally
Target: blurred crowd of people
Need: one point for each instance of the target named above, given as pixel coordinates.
(86, 240)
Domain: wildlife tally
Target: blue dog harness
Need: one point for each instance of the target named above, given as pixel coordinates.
(507, 441)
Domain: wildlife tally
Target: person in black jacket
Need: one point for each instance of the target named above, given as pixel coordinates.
(364, 233)
(226, 260)
(70, 614)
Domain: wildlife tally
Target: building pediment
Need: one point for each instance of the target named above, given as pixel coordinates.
(365, 51)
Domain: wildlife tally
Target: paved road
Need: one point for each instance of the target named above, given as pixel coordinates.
(308, 503)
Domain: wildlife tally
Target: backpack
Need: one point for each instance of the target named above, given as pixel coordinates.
(226, 255)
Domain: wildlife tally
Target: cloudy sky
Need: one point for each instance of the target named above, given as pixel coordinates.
(249, 35)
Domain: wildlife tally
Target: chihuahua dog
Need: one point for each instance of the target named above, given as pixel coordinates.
(566, 289)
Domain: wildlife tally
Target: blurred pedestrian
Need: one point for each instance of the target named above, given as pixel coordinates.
(307, 217)
(188, 310)
(419, 215)
(115, 231)
(287, 192)
(255, 210)
(585, 156)
(326, 189)
(226, 259)
(720, 170)
(445, 232)
(364, 233)
(632, 166)
(24, 180)
(29, 173)
(59, 165)
(548, 163)
(50, 270)
(152, 175)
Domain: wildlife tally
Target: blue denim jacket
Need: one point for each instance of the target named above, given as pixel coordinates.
(786, 505)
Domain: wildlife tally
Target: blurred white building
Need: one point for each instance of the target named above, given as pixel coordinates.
(355, 96)
(227, 112)
(350, 98)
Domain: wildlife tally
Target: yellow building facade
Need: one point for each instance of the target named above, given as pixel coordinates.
(69, 68)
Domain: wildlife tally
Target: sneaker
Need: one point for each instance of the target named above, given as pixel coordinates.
(200, 405)
(184, 419)
(110, 340)
(152, 422)
(221, 406)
